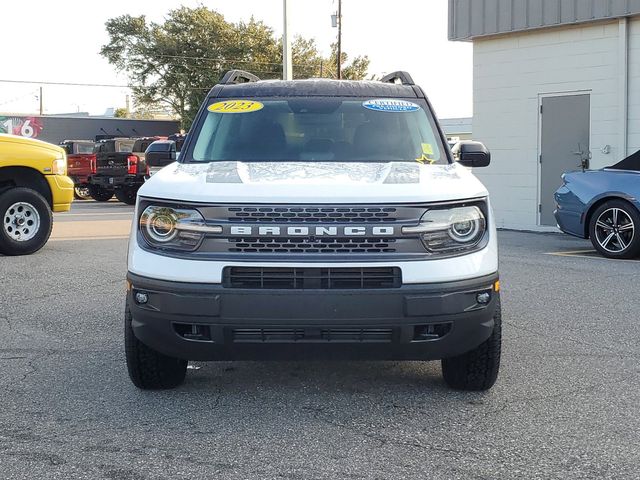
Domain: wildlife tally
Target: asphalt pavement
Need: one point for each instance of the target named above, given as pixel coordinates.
(566, 404)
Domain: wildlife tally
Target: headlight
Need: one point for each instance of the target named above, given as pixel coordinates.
(59, 166)
(174, 228)
(450, 230)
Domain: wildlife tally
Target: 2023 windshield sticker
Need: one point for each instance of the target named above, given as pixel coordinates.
(235, 106)
(390, 105)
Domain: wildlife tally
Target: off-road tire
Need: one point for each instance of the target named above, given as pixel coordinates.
(10, 246)
(478, 368)
(633, 249)
(100, 194)
(127, 195)
(148, 369)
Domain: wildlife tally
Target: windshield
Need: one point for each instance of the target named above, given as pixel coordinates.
(318, 129)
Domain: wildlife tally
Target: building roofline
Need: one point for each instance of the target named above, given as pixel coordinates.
(470, 20)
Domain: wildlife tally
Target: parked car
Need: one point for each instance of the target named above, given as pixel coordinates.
(604, 206)
(315, 218)
(81, 164)
(159, 154)
(33, 183)
(121, 168)
(179, 138)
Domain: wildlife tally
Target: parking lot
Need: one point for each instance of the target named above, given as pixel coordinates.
(566, 405)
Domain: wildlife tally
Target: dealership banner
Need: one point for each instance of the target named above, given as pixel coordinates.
(29, 127)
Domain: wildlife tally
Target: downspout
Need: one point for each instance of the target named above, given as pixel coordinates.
(623, 86)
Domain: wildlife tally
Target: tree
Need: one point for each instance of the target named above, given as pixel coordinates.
(174, 64)
(120, 113)
(356, 70)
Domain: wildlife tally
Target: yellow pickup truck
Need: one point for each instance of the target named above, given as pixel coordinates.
(33, 183)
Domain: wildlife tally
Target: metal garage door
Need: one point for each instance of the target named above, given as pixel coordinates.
(564, 145)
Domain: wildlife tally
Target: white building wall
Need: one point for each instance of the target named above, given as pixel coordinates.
(634, 85)
(510, 74)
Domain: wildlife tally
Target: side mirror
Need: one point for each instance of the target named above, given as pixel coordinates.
(471, 154)
(160, 159)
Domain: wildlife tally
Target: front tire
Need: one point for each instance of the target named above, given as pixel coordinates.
(614, 230)
(477, 369)
(26, 221)
(148, 369)
(100, 194)
(127, 195)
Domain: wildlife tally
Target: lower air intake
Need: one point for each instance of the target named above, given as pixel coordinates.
(312, 278)
(312, 335)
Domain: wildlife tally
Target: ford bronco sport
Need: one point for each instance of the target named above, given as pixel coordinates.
(315, 218)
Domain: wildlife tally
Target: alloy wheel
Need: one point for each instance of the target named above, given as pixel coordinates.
(614, 230)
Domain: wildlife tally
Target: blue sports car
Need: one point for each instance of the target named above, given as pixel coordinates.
(603, 205)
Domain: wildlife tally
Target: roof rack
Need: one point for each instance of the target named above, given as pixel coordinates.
(403, 77)
(238, 76)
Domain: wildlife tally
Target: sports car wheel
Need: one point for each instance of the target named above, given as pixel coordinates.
(615, 229)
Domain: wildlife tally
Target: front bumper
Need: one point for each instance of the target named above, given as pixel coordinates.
(211, 322)
(61, 192)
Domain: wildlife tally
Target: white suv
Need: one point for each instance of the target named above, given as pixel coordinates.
(315, 218)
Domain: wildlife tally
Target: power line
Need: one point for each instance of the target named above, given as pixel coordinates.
(232, 60)
(20, 97)
(72, 84)
(111, 85)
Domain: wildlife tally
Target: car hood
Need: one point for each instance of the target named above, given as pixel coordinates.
(307, 182)
(30, 142)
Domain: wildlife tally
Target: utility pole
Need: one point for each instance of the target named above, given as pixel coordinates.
(339, 67)
(40, 97)
(287, 67)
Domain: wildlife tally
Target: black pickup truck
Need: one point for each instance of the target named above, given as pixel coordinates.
(121, 168)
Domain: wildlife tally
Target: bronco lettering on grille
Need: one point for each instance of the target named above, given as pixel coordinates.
(349, 231)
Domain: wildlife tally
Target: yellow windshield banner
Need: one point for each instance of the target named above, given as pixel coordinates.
(427, 154)
(235, 106)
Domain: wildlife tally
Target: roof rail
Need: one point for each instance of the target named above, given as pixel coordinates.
(393, 77)
(238, 76)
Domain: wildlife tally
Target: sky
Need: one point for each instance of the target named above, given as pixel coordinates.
(61, 43)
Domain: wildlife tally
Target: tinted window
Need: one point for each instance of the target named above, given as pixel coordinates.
(142, 145)
(83, 148)
(321, 129)
(124, 146)
(105, 147)
(159, 147)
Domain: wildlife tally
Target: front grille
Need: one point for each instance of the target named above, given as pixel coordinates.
(315, 245)
(312, 214)
(315, 231)
(311, 278)
(312, 335)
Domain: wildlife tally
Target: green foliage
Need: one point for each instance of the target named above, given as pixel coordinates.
(174, 64)
(121, 113)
